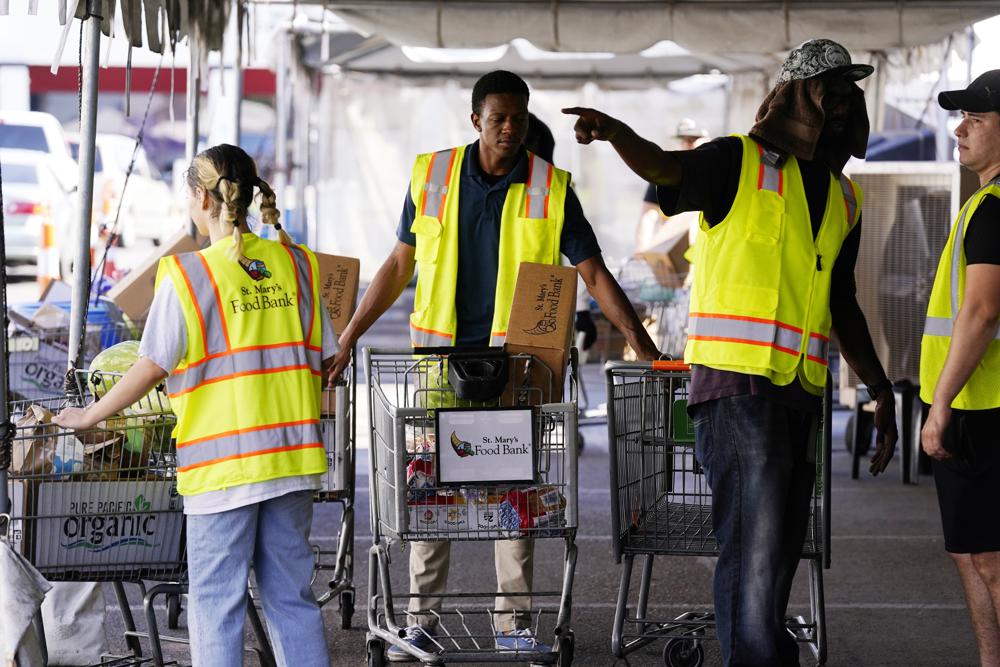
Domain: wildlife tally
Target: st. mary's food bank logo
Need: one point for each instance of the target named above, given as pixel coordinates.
(260, 296)
(497, 445)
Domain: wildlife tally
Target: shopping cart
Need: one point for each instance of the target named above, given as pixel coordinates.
(101, 505)
(661, 300)
(38, 355)
(662, 506)
(411, 501)
(338, 426)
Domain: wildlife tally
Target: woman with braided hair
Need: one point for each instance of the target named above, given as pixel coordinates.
(238, 331)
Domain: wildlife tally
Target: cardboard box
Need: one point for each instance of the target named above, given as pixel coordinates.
(541, 324)
(338, 287)
(100, 526)
(134, 293)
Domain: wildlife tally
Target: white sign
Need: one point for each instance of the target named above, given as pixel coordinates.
(477, 446)
(93, 524)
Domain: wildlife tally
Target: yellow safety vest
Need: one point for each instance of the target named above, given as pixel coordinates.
(760, 301)
(530, 228)
(247, 391)
(982, 390)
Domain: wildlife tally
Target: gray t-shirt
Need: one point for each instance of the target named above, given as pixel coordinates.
(164, 342)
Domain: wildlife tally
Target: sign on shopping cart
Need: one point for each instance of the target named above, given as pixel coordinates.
(477, 446)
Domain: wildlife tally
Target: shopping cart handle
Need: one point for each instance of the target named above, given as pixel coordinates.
(445, 351)
(670, 365)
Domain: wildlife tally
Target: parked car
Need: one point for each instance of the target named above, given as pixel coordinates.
(149, 209)
(41, 132)
(35, 204)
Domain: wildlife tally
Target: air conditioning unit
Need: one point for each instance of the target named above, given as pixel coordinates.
(907, 215)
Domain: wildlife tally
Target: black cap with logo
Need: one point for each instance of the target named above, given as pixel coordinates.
(981, 96)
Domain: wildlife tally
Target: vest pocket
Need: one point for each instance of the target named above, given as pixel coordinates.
(747, 299)
(535, 240)
(428, 232)
(767, 216)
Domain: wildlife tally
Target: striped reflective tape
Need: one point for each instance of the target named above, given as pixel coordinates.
(769, 177)
(304, 281)
(244, 443)
(536, 199)
(497, 339)
(241, 362)
(752, 331)
(943, 326)
(421, 337)
(818, 349)
(850, 199)
(201, 286)
(436, 184)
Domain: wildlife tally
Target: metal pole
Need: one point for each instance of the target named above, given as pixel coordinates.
(193, 110)
(237, 71)
(281, 101)
(88, 136)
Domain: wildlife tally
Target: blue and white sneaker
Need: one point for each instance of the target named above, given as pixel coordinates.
(416, 636)
(520, 640)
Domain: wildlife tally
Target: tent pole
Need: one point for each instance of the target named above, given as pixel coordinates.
(281, 103)
(193, 112)
(88, 137)
(237, 71)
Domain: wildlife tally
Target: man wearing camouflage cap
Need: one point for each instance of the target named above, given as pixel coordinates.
(774, 276)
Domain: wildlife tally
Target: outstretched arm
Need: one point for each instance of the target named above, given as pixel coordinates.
(396, 271)
(646, 159)
(615, 306)
(140, 379)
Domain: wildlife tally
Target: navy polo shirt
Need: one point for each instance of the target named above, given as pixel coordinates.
(480, 206)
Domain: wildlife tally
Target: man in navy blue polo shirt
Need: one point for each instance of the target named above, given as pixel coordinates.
(498, 183)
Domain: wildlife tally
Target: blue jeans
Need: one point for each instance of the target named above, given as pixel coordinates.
(273, 536)
(757, 458)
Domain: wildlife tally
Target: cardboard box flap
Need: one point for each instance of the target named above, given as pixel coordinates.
(134, 293)
(338, 287)
(544, 305)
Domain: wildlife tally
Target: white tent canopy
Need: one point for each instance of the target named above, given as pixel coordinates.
(630, 26)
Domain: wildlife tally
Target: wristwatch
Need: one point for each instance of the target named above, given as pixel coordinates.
(878, 388)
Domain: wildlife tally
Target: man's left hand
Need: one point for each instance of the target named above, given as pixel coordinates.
(886, 433)
(932, 435)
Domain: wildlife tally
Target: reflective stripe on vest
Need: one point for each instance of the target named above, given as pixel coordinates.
(247, 442)
(943, 326)
(201, 285)
(769, 177)
(304, 282)
(850, 199)
(753, 331)
(246, 361)
(436, 186)
(421, 337)
(536, 195)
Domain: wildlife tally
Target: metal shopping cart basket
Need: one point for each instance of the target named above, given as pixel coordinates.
(662, 506)
(338, 427)
(661, 297)
(99, 505)
(431, 478)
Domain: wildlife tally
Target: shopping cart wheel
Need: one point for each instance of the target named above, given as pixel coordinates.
(376, 653)
(683, 653)
(565, 649)
(346, 609)
(174, 610)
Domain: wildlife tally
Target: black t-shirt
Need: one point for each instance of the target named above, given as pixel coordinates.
(982, 234)
(650, 196)
(711, 178)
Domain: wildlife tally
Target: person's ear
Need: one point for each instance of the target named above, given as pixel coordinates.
(206, 200)
(476, 122)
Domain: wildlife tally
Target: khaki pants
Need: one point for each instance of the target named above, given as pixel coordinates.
(429, 575)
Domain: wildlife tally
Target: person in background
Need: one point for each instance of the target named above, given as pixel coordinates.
(471, 215)
(779, 234)
(960, 367)
(239, 333)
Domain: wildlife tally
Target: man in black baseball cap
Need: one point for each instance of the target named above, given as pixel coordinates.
(959, 364)
(982, 95)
